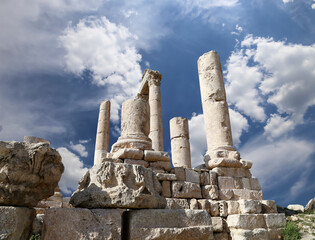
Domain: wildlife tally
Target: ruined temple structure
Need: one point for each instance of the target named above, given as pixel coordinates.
(133, 191)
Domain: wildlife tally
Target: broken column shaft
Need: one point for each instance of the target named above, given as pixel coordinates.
(135, 126)
(214, 104)
(102, 134)
(180, 142)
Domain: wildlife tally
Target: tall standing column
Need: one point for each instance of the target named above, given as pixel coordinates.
(180, 142)
(156, 124)
(102, 134)
(214, 104)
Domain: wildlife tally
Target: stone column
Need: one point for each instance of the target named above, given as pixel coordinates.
(156, 123)
(102, 134)
(214, 104)
(180, 142)
(135, 126)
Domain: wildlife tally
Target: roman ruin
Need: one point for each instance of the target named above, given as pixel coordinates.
(136, 191)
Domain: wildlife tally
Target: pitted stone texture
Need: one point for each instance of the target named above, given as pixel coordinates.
(222, 162)
(214, 104)
(37, 225)
(192, 176)
(210, 192)
(233, 207)
(166, 177)
(152, 156)
(268, 206)
(128, 153)
(181, 189)
(180, 173)
(137, 162)
(310, 205)
(16, 222)
(221, 236)
(170, 224)
(181, 156)
(135, 126)
(175, 203)
(254, 184)
(255, 234)
(247, 194)
(232, 172)
(226, 194)
(246, 164)
(166, 189)
(246, 221)
(226, 182)
(275, 220)
(193, 203)
(118, 185)
(217, 223)
(81, 224)
(205, 178)
(28, 172)
(159, 164)
(249, 206)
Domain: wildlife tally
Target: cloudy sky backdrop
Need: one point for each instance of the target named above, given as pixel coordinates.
(59, 59)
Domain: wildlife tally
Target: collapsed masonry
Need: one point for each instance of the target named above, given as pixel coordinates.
(132, 192)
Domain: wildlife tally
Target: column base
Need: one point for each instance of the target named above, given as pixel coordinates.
(225, 156)
(142, 143)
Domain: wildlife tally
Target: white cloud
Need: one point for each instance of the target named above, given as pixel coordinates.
(109, 52)
(238, 29)
(278, 126)
(197, 134)
(313, 6)
(288, 82)
(79, 148)
(287, 1)
(241, 86)
(74, 170)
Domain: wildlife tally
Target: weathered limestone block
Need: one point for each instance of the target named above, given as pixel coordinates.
(214, 208)
(310, 205)
(29, 172)
(16, 222)
(249, 206)
(255, 234)
(137, 162)
(204, 204)
(246, 164)
(204, 178)
(213, 178)
(226, 194)
(246, 183)
(193, 204)
(135, 126)
(108, 158)
(179, 132)
(226, 182)
(166, 177)
(164, 165)
(268, 206)
(247, 194)
(81, 224)
(221, 153)
(246, 221)
(296, 207)
(130, 153)
(157, 170)
(275, 220)
(166, 189)
(233, 207)
(169, 224)
(181, 189)
(174, 203)
(118, 185)
(275, 233)
(254, 184)
(222, 162)
(152, 156)
(192, 176)
(210, 192)
(232, 172)
(102, 134)
(217, 223)
(180, 173)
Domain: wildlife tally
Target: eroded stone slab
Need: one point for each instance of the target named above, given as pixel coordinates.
(16, 222)
(81, 224)
(169, 224)
(119, 185)
(182, 189)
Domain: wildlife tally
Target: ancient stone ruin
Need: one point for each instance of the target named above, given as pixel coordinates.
(133, 192)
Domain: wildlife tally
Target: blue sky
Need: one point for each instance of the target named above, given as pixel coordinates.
(59, 59)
